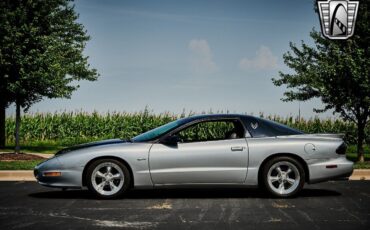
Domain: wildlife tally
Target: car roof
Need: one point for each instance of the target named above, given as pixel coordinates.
(217, 116)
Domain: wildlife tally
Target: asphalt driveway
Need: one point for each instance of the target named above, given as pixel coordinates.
(331, 205)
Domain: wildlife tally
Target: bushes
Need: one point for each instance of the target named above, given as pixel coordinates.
(78, 127)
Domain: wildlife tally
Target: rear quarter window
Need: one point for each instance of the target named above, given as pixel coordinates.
(265, 128)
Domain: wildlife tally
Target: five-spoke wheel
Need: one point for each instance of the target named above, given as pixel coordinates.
(283, 176)
(108, 178)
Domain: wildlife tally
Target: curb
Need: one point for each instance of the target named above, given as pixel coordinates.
(359, 174)
(44, 155)
(17, 175)
(27, 175)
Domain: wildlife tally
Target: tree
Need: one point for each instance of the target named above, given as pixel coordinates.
(41, 53)
(336, 71)
(4, 103)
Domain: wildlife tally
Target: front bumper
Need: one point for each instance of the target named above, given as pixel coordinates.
(69, 178)
(325, 170)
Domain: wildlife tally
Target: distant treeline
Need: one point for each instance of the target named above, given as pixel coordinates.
(79, 127)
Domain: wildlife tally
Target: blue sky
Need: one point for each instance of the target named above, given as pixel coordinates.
(195, 55)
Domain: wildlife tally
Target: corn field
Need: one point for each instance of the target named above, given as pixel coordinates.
(78, 127)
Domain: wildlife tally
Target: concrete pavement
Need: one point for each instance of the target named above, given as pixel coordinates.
(331, 205)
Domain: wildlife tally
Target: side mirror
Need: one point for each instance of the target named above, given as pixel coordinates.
(171, 140)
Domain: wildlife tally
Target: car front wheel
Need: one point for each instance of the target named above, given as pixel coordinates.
(283, 177)
(108, 178)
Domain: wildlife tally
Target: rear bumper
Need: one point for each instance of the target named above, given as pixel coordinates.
(339, 169)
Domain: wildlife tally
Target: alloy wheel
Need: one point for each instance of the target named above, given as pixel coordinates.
(107, 178)
(283, 177)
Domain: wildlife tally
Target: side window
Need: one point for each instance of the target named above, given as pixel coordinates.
(257, 128)
(266, 128)
(211, 131)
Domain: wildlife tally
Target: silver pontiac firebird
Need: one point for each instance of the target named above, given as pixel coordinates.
(205, 150)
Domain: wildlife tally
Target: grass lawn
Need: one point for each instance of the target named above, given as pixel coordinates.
(19, 165)
(52, 147)
(49, 147)
(364, 165)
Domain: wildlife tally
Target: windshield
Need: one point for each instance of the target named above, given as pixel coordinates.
(157, 132)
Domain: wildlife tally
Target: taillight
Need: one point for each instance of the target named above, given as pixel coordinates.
(341, 150)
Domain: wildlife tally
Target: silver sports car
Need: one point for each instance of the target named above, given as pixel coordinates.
(205, 150)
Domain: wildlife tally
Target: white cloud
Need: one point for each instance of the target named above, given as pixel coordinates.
(263, 60)
(201, 59)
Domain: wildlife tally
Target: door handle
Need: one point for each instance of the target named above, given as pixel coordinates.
(237, 148)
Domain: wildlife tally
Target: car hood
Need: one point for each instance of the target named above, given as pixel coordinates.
(91, 144)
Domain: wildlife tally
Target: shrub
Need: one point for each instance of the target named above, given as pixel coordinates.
(78, 127)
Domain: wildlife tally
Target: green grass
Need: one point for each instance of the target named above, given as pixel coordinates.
(48, 147)
(352, 155)
(19, 165)
(363, 165)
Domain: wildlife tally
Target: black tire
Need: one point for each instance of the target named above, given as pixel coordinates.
(119, 190)
(273, 186)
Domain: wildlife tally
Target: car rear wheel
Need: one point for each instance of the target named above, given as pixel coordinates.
(283, 177)
(108, 178)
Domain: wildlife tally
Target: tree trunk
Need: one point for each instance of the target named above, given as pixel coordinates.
(2, 126)
(360, 141)
(17, 125)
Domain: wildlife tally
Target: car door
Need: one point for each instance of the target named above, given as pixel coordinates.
(199, 162)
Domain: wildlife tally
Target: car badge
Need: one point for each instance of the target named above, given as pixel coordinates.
(255, 125)
(337, 18)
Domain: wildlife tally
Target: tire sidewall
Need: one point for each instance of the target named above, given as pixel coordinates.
(126, 176)
(290, 160)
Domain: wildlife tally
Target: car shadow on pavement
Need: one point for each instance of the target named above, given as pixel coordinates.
(182, 193)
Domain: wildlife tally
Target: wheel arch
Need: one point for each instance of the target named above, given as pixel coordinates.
(84, 182)
(292, 155)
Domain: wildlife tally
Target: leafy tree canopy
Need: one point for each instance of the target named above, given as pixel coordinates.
(336, 71)
(41, 50)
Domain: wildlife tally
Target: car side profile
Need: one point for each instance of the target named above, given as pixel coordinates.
(228, 150)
